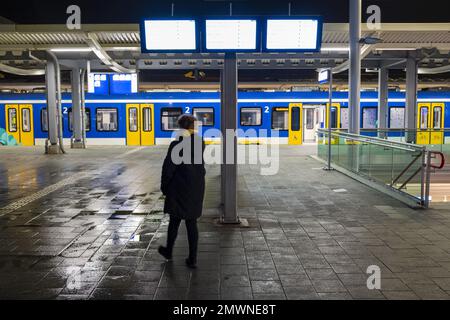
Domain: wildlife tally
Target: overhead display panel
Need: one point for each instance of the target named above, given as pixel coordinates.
(123, 83)
(292, 34)
(169, 35)
(98, 83)
(237, 35)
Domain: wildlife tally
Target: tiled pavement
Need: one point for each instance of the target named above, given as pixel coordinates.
(95, 236)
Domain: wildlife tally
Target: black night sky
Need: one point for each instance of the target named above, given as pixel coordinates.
(132, 11)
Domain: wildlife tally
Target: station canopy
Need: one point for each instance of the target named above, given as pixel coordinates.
(117, 48)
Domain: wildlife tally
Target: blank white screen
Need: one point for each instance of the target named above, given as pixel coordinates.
(231, 34)
(291, 34)
(170, 35)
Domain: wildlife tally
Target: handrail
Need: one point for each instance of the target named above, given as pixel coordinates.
(395, 129)
(402, 129)
(420, 164)
(382, 142)
(442, 164)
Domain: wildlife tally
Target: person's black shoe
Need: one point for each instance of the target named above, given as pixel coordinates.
(191, 263)
(164, 252)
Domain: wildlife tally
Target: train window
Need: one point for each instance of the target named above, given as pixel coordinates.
(146, 119)
(87, 119)
(369, 118)
(424, 118)
(44, 120)
(12, 120)
(295, 119)
(334, 117)
(344, 118)
(26, 120)
(397, 118)
(133, 119)
(107, 119)
(169, 118)
(204, 115)
(309, 118)
(251, 116)
(437, 113)
(280, 118)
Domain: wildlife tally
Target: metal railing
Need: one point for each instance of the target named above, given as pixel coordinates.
(428, 136)
(399, 169)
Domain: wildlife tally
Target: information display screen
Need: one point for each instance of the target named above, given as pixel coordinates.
(169, 35)
(123, 83)
(98, 83)
(324, 76)
(292, 34)
(231, 35)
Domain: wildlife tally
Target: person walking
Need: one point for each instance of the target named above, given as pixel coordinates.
(183, 185)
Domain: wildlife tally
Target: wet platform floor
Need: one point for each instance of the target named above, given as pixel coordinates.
(86, 225)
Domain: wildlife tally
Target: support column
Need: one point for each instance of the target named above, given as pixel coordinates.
(50, 82)
(411, 98)
(383, 75)
(77, 120)
(223, 131)
(355, 66)
(229, 142)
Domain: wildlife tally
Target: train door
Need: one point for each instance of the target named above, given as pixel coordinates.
(295, 120)
(310, 123)
(19, 123)
(423, 123)
(437, 123)
(334, 115)
(140, 129)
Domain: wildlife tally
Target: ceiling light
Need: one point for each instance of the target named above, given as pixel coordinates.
(343, 49)
(71, 49)
(396, 49)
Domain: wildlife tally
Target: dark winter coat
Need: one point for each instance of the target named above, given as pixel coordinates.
(183, 183)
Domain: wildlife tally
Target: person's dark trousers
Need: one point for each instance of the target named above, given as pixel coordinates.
(192, 232)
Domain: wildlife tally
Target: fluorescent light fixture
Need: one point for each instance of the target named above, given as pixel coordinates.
(396, 49)
(169, 35)
(340, 49)
(71, 49)
(231, 35)
(122, 49)
(293, 34)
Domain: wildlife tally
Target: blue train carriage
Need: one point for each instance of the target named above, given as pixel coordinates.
(432, 116)
(17, 114)
(284, 117)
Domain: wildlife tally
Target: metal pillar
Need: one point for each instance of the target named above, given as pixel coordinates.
(223, 131)
(330, 103)
(52, 117)
(229, 142)
(77, 138)
(355, 65)
(383, 74)
(83, 106)
(411, 98)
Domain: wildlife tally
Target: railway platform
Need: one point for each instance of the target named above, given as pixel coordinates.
(87, 226)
